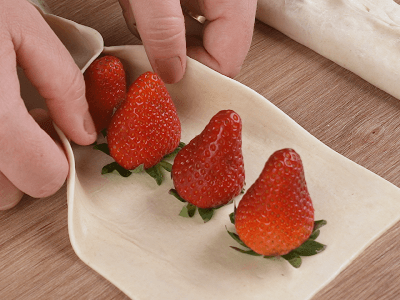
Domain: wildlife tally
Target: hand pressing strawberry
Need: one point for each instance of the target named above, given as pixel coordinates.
(144, 130)
(105, 89)
(209, 172)
(276, 216)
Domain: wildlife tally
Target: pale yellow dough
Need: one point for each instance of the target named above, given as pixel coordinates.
(362, 36)
(129, 231)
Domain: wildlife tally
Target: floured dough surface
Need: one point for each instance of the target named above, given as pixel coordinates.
(362, 36)
(128, 229)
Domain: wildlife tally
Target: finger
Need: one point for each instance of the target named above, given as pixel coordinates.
(127, 12)
(52, 70)
(227, 34)
(29, 158)
(10, 195)
(42, 117)
(162, 30)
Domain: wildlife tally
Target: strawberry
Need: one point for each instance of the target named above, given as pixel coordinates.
(105, 89)
(208, 172)
(276, 214)
(146, 126)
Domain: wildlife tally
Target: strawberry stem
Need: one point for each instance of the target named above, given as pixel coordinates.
(293, 258)
(174, 193)
(318, 224)
(249, 252)
(188, 211)
(166, 165)
(314, 235)
(237, 238)
(114, 166)
(155, 171)
(206, 213)
(103, 148)
(175, 152)
(308, 248)
(232, 217)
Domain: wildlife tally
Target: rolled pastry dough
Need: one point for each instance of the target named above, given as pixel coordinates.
(362, 36)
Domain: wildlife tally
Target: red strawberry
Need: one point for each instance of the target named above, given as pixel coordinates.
(105, 89)
(146, 126)
(276, 214)
(208, 172)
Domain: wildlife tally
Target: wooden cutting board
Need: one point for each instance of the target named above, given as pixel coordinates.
(343, 111)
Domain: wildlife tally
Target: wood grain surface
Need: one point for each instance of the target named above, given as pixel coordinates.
(343, 111)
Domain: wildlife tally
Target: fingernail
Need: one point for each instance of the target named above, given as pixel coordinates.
(169, 69)
(89, 125)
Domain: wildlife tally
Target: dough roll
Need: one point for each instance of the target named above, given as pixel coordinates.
(362, 36)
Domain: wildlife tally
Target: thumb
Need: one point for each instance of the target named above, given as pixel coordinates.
(162, 29)
(52, 70)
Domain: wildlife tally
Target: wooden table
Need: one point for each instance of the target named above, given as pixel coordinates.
(343, 111)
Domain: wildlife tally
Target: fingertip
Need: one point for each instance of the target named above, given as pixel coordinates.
(10, 195)
(161, 25)
(229, 67)
(90, 129)
(171, 70)
(74, 121)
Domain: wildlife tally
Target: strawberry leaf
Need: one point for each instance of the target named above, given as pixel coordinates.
(309, 248)
(232, 218)
(103, 148)
(174, 193)
(249, 252)
(293, 258)
(314, 235)
(206, 213)
(156, 173)
(115, 167)
(188, 211)
(236, 238)
(175, 152)
(138, 169)
(166, 165)
(319, 224)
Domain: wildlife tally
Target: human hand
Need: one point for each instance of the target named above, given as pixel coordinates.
(226, 36)
(31, 161)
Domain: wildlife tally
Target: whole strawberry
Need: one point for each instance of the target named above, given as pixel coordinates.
(105, 89)
(146, 126)
(208, 172)
(276, 214)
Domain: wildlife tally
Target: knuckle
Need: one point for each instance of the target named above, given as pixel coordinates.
(70, 88)
(164, 32)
